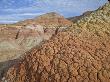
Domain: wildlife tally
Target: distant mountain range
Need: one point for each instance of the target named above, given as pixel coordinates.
(76, 18)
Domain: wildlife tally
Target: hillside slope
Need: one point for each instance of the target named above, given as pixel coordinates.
(80, 54)
(15, 39)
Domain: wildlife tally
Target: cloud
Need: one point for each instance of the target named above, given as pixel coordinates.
(7, 21)
(17, 17)
(27, 14)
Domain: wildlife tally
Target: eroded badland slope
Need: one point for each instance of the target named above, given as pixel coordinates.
(80, 54)
(15, 39)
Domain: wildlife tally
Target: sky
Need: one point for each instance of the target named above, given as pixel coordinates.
(12, 11)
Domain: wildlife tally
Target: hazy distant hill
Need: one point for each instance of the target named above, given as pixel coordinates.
(48, 19)
(76, 18)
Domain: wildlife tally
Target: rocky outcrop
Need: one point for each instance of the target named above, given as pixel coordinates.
(15, 39)
(51, 19)
(96, 24)
(80, 54)
(14, 42)
(65, 58)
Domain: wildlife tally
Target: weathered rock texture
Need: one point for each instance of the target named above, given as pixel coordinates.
(77, 55)
(15, 39)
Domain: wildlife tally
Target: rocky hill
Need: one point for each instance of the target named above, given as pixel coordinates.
(15, 39)
(97, 24)
(49, 20)
(76, 18)
(80, 54)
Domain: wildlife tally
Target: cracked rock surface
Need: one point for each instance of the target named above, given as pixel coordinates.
(64, 58)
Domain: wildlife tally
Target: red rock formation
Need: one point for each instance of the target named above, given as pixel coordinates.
(15, 41)
(50, 19)
(80, 54)
(25, 35)
(65, 58)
